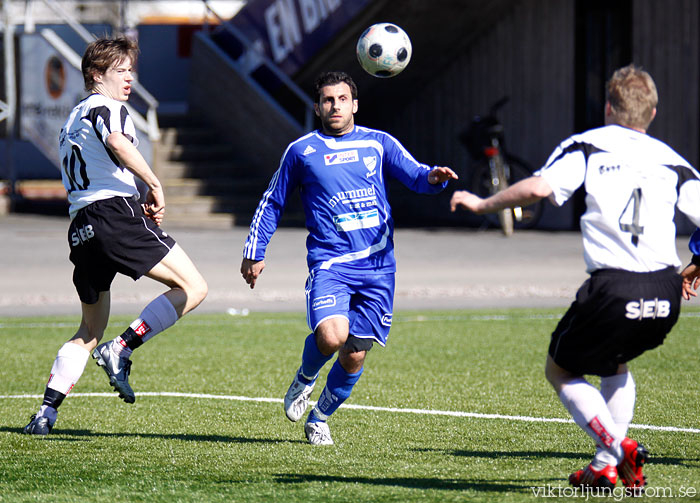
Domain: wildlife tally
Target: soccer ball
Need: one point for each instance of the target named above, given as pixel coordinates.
(384, 50)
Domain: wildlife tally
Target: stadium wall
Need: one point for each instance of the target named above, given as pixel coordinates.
(527, 55)
(666, 42)
(254, 125)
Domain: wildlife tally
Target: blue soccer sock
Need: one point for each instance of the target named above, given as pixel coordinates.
(312, 360)
(338, 388)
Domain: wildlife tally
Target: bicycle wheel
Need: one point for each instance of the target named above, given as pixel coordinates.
(505, 216)
(527, 216)
(484, 185)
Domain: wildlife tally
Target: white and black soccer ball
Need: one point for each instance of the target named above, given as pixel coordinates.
(384, 50)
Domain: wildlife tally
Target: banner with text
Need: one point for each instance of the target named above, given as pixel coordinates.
(291, 32)
(49, 89)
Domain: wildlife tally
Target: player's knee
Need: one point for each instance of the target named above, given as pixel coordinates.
(328, 343)
(556, 375)
(355, 359)
(196, 289)
(201, 290)
(331, 335)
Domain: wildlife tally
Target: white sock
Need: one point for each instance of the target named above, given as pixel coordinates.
(156, 317)
(67, 367)
(620, 393)
(589, 410)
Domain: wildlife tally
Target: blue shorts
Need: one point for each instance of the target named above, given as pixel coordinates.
(365, 300)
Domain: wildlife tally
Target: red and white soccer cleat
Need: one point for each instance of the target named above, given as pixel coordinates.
(630, 468)
(590, 477)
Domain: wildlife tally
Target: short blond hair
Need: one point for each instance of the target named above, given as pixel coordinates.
(632, 97)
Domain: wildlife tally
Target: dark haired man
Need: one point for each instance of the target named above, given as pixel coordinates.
(341, 171)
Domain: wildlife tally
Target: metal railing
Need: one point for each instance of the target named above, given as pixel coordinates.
(253, 57)
(149, 124)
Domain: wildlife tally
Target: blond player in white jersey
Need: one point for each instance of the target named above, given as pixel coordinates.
(111, 232)
(633, 184)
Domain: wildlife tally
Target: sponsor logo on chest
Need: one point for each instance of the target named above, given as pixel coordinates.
(371, 165)
(341, 157)
(354, 221)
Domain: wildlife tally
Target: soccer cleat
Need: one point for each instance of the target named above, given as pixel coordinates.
(38, 426)
(318, 433)
(297, 398)
(117, 369)
(590, 477)
(630, 468)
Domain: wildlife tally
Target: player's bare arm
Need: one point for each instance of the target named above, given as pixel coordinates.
(523, 193)
(129, 157)
(691, 281)
(251, 269)
(441, 174)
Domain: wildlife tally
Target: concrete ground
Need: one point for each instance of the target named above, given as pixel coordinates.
(437, 269)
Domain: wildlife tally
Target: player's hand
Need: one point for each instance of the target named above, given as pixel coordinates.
(251, 269)
(691, 281)
(466, 200)
(441, 174)
(154, 207)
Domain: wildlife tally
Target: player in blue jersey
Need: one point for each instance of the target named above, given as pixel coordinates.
(691, 273)
(340, 171)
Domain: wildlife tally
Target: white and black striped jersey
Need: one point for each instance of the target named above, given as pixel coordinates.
(90, 171)
(633, 184)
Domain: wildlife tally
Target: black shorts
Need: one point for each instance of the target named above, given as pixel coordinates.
(357, 344)
(617, 316)
(109, 237)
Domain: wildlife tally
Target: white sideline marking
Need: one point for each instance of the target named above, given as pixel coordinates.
(408, 318)
(451, 413)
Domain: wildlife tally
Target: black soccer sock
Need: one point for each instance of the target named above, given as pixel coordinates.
(131, 339)
(53, 398)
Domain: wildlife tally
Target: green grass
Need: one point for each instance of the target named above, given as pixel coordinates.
(185, 449)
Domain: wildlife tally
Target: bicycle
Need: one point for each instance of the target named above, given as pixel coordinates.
(496, 169)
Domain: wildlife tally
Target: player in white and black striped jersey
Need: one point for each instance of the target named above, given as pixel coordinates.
(110, 232)
(633, 183)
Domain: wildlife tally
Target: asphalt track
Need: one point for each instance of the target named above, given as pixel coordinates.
(437, 269)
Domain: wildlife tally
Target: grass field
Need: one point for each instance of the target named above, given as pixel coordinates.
(211, 440)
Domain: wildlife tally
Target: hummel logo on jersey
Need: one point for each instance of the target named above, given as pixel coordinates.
(309, 150)
(647, 308)
(371, 165)
(341, 157)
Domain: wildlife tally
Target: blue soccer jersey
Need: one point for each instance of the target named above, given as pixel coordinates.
(342, 182)
(694, 244)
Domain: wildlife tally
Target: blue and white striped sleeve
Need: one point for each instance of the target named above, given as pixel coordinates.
(271, 207)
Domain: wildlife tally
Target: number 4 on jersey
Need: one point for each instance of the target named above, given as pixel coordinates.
(629, 219)
(69, 163)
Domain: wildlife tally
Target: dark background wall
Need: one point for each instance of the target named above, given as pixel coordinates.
(551, 57)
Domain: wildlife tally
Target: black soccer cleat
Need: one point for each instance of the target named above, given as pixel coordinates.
(38, 426)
